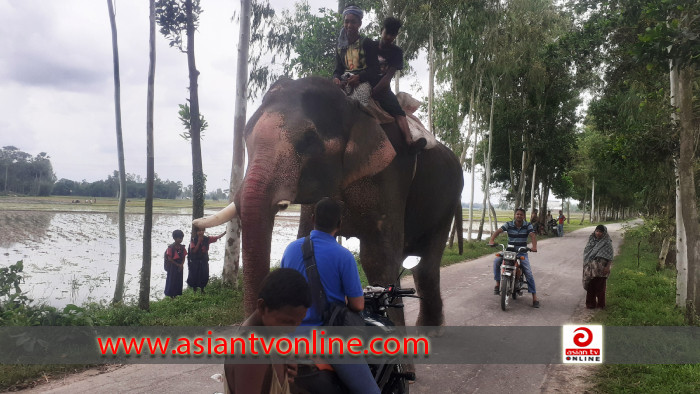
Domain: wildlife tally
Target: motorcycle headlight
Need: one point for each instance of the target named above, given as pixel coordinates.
(509, 255)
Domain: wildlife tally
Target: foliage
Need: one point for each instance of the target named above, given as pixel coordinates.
(16, 308)
(302, 43)
(23, 174)
(172, 19)
(630, 140)
(185, 117)
(10, 292)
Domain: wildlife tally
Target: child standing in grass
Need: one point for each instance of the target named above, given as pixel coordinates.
(174, 261)
(198, 259)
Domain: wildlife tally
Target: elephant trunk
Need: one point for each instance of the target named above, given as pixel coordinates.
(257, 214)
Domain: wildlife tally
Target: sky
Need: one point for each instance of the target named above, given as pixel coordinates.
(57, 87)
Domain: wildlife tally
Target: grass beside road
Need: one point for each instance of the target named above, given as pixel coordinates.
(639, 295)
(219, 306)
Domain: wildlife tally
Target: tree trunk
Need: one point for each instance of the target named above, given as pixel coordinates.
(119, 283)
(195, 122)
(681, 249)
(145, 288)
(492, 212)
(532, 187)
(471, 197)
(686, 171)
(583, 207)
(484, 208)
(524, 164)
(487, 184)
(592, 218)
(431, 73)
(568, 210)
(233, 228)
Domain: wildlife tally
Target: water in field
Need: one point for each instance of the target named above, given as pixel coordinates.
(72, 257)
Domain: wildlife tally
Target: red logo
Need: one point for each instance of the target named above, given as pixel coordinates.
(583, 339)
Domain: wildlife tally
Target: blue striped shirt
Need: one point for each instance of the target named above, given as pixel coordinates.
(517, 236)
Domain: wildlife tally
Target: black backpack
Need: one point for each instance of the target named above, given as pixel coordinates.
(165, 258)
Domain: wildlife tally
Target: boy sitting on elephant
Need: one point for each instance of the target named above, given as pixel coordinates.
(390, 58)
(357, 68)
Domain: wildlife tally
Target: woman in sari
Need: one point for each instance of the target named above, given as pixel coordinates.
(597, 260)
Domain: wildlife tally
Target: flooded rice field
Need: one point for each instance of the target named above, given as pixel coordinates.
(72, 257)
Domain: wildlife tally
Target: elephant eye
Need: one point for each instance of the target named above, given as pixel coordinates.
(309, 143)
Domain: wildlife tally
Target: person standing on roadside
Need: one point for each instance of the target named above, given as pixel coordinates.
(560, 223)
(174, 261)
(198, 259)
(597, 261)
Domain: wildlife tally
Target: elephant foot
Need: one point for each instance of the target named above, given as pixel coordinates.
(431, 331)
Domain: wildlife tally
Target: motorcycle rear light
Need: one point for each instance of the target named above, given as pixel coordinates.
(498, 255)
(522, 258)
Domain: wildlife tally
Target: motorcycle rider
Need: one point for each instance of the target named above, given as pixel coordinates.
(518, 231)
(340, 279)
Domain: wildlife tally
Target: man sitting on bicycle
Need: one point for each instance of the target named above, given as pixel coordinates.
(518, 230)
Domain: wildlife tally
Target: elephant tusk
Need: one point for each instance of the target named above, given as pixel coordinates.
(283, 204)
(218, 218)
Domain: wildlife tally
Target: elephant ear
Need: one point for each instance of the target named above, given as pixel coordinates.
(368, 150)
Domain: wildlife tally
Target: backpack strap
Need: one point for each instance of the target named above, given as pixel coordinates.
(318, 295)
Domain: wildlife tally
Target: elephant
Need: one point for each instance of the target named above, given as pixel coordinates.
(307, 141)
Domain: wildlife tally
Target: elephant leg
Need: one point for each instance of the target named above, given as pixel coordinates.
(305, 221)
(427, 279)
(380, 256)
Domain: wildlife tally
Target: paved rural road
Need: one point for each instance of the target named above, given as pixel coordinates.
(467, 290)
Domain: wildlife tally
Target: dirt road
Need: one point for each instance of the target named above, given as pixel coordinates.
(467, 291)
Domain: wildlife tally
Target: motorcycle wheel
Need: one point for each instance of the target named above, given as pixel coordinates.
(397, 385)
(505, 289)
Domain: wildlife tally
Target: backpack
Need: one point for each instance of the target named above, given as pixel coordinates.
(333, 314)
(165, 259)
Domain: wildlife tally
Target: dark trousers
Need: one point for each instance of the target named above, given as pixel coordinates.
(595, 296)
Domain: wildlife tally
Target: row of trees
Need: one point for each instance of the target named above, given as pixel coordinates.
(23, 173)
(640, 144)
(135, 187)
(506, 81)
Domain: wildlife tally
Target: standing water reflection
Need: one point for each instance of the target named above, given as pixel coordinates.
(71, 257)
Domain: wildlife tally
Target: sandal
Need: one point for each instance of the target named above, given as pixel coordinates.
(536, 304)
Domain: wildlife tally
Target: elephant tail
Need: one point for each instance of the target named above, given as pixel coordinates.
(458, 224)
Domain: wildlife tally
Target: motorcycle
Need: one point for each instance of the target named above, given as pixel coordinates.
(553, 227)
(391, 376)
(513, 282)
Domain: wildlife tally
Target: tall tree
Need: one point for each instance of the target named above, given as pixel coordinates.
(175, 17)
(145, 289)
(119, 287)
(233, 228)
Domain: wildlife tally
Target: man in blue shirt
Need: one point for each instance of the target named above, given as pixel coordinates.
(518, 231)
(340, 279)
